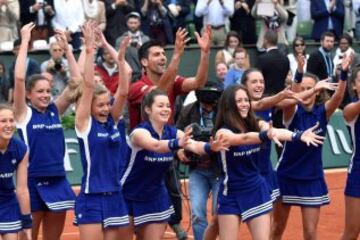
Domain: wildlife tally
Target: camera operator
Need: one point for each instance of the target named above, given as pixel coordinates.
(203, 177)
(57, 66)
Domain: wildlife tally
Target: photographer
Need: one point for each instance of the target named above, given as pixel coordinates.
(203, 177)
(57, 66)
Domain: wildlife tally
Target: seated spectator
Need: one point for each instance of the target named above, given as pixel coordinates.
(68, 18)
(95, 10)
(116, 11)
(328, 15)
(58, 67)
(108, 70)
(243, 22)
(236, 70)
(221, 70)
(157, 23)
(276, 23)
(9, 17)
(177, 11)
(137, 39)
(345, 49)
(216, 13)
(232, 42)
(4, 84)
(299, 48)
(41, 13)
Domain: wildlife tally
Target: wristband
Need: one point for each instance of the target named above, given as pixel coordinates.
(173, 144)
(296, 136)
(207, 148)
(263, 136)
(298, 77)
(343, 75)
(26, 221)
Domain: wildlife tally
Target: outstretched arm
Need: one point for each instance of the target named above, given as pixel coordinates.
(20, 73)
(351, 111)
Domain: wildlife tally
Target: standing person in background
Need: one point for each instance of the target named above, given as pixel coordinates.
(299, 49)
(4, 84)
(356, 10)
(352, 201)
(292, 21)
(9, 17)
(243, 22)
(328, 15)
(320, 61)
(40, 128)
(15, 214)
(95, 10)
(40, 12)
(236, 70)
(226, 54)
(68, 18)
(116, 11)
(216, 13)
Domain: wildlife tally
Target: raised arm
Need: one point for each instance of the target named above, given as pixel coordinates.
(351, 111)
(201, 77)
(83, 111)
(20, 73)
(271, 101)
(125, 73)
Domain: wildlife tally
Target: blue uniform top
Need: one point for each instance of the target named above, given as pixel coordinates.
(354, 126)
(264, 162)
(101, 156)
(9, 160)
(299, 161)
(144, 177)
(44, 135)
(239, 170)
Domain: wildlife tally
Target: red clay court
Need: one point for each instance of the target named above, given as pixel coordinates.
(330, 226)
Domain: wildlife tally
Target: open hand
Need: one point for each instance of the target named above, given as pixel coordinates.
(311, 138)
(204, 41)
(26, 31)
(220, 144)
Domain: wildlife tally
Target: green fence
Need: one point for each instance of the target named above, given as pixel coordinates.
(336, 151)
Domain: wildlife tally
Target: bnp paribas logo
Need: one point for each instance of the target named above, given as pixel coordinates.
(338, 142)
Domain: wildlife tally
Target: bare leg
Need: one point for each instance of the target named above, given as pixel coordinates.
(310, 219)
(352, 220)
(37, 219)
(53, 225)
(115, 233)
(91, 232)
(280, 217)
(260, 227)
(9, 236)
(212, 230)
(229, 226)
(152, 231)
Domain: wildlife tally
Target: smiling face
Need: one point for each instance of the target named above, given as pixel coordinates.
(40, 94)
(156, 60)
(255, 84)
(160, 110)
(7, 124)
(307, 84)
(100, 107)
(242, 102)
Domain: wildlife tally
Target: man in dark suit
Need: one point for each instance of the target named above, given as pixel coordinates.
(320, 62)
(40, 12)
(327, 15)
(116, 12)
(273, 64)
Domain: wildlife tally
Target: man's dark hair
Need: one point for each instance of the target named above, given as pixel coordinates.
(327, 34)
(144, 49)
(133, 15)
(271, 37)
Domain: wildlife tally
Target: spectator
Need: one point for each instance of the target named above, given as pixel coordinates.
(133, 23)
(58, 67)
(320, 61)
(108, 70)
(216, 13)
(328, 15)
(68, 18)
(116, 11)
(276, 23)
(349, 18)
(299, 48)
(291, 23)
(236, 70)
(243, 22)
(221, 71)
(157, 23)
(232, 42)
(4, 85)
(356, 9)
(95, 10)
(9, 17)
(41, 13)
(32, 67)
(345, 48)
(178, 11)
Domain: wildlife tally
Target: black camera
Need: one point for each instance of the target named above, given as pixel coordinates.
(209, 94)
(199, 133)
(58, 65)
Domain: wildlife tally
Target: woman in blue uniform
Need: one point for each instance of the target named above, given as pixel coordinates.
(300, 170)
(244, 195)
(153, 143)
(15, 208)
(100, 210)
(40, 128)
(352, 189)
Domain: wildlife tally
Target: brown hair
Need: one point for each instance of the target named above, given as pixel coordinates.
(148, 101)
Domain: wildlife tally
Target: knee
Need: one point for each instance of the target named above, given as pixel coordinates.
(310, 232)
(351, 233)
(277, 228)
